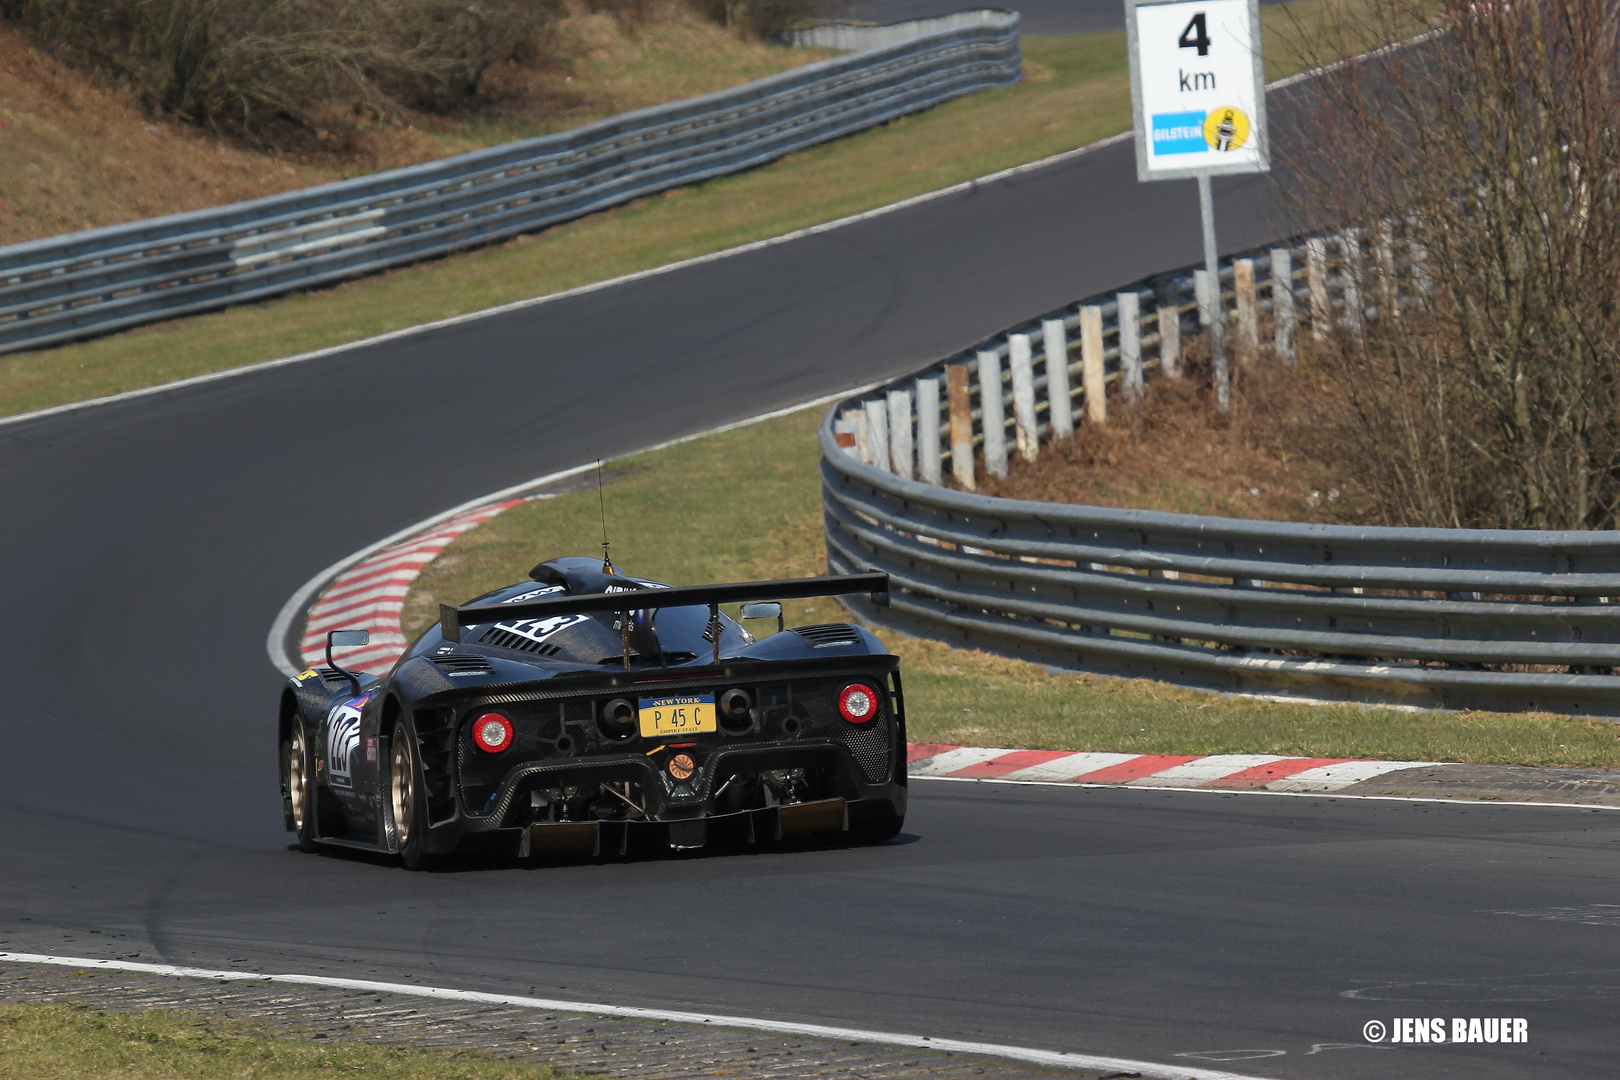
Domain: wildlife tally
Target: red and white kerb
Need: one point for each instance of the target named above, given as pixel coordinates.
(492, 733)
(857, 703)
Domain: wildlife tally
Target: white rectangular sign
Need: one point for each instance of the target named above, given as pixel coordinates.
(1198, 87)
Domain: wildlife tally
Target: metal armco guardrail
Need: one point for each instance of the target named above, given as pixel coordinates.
(88, 283)
(1448, 618)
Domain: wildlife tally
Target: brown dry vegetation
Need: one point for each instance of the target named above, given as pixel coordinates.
(77, 152)
(1174, 452)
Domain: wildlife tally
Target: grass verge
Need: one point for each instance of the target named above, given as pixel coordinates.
(746, 504)
(1076, 91)
(75, 1042)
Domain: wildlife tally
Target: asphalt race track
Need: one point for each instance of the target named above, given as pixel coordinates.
(148, 544)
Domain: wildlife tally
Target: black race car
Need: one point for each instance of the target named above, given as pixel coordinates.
(588, 712)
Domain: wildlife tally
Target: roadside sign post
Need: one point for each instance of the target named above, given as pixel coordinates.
(1198, 93)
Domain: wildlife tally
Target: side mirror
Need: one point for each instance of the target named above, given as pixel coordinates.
(346, 639)
(763, 609)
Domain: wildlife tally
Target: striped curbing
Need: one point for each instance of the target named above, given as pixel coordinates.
(370, 595)
(1234, 771)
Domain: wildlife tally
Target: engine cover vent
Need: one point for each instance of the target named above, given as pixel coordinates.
(506, 639)
(828, 634)
(464, 664)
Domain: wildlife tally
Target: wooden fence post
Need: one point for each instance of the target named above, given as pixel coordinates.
(993, 414)
(1282, 304)
(901, 450)
(1060, 405)
(1248, 309)
(1169, 331)
(928, 463)
(877, 433)
(1131, 386)
(1020, 361)
(961, 401)
(1316, 278)
(1091, 365)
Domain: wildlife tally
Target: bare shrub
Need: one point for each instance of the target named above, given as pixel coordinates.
(1478, 173)
(765, 19)
(246, 63)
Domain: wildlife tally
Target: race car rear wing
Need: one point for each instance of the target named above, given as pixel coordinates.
(638, 597)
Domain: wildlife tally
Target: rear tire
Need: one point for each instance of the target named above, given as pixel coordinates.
(408, 801)
(298, 776)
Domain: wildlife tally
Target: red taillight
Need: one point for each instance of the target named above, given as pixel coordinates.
(857, 703)
(492, 733)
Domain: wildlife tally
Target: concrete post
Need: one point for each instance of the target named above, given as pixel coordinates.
(1316, 279)
(1282, 304)
(1020, 361)
(928, 455)
(1131, 386)
(901, 450)
(1060, 399)
(993, 414)
(1091, 365)
(1169, 331)
(877, 433)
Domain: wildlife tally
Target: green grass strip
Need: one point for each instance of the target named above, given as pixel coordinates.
(746, 504)
(75, 1042)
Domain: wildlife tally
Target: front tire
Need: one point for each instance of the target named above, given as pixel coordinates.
(407, 800)
(298, 776)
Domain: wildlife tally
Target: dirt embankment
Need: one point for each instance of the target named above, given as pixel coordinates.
(78, 152)
(1174, 452)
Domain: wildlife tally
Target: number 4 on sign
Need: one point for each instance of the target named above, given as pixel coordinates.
(1196, 36)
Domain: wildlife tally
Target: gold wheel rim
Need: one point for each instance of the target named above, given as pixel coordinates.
(295, 776)
(401, 789)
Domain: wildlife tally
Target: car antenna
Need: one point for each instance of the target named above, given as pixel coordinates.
(601, 500)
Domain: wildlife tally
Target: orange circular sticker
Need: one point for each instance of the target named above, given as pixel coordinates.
(681, 766)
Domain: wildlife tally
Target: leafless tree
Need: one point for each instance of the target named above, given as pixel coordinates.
(1475, 177)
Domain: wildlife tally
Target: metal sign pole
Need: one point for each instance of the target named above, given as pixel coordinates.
(1215, 316)
(1199, 97)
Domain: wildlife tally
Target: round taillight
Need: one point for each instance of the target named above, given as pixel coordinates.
(857, 703)
(492, 733)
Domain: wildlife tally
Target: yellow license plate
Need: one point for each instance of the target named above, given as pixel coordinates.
(687, 715)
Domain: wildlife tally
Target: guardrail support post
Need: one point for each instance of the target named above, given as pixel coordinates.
(1026, 429)
(1248, 309)
(1316, 278)
(928, 429)
(1059, 398)
(993, 414)
(900, 445)
(1091, 365)
(877, 433)
(1169, 331)
(1282, 304)
(1206, 306)
(1130, 347)
(961, 401)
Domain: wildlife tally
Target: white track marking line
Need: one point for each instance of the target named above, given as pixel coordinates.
(1273, 792)
(1333, 777)
(1067, 768)
(1204, 769)
(1050, 1058)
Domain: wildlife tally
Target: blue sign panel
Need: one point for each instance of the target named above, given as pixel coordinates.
(1179, 133)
